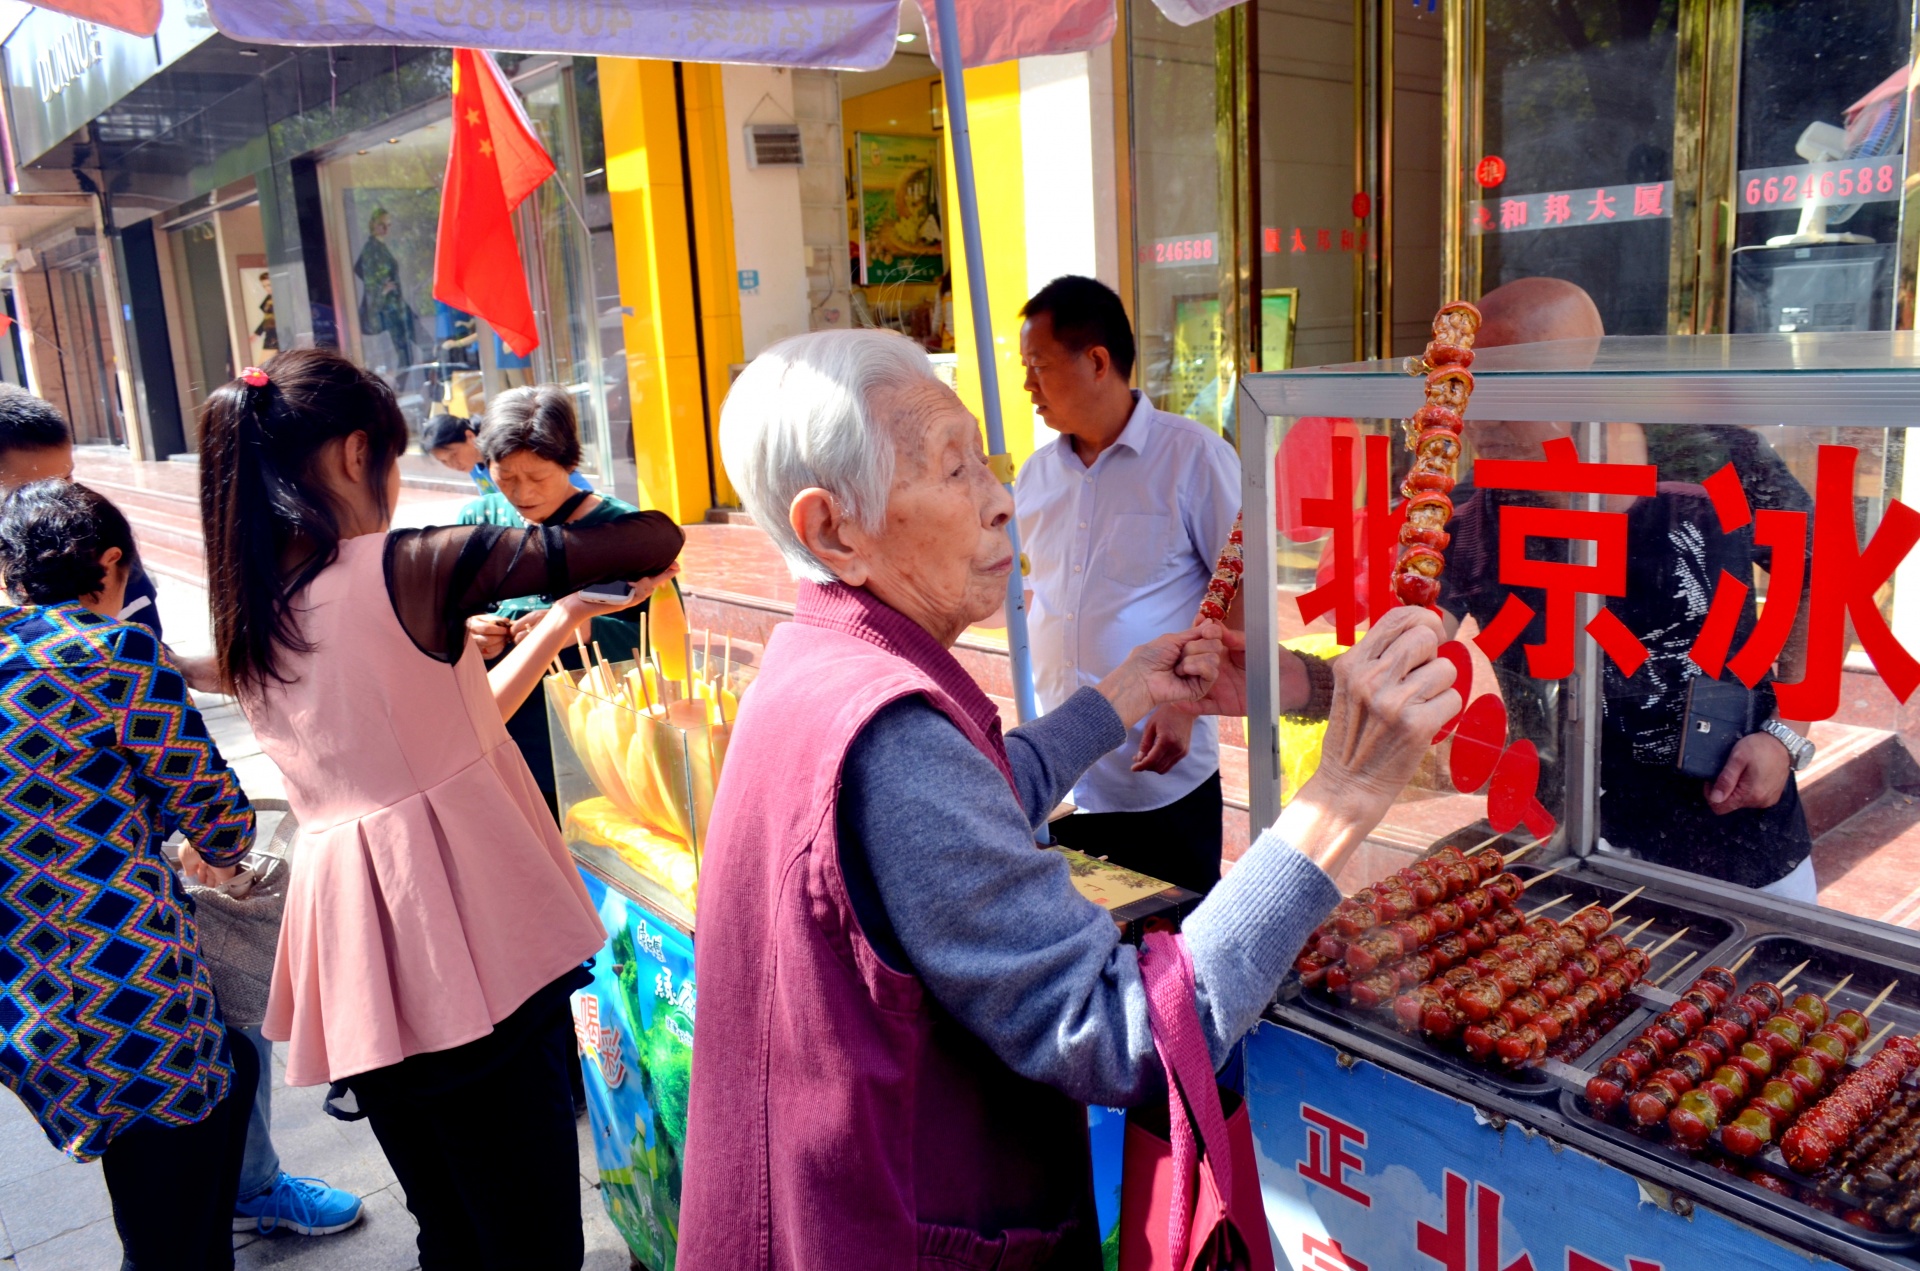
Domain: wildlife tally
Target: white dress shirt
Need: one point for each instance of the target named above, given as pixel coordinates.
(1121, 552)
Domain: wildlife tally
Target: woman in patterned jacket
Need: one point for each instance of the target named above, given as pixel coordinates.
(109, 1032)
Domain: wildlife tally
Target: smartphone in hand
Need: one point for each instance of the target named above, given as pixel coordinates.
(614, 591)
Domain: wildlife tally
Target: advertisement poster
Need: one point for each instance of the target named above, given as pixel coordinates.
(635, 1027)
(898, 196)
(1364, 1170)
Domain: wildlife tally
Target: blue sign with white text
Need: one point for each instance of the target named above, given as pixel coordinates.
(1364, 1170)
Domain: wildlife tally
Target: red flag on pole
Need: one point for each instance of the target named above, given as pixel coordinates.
(135, 17)
(494, 163)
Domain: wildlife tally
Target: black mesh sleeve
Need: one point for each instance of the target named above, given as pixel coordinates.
(437, 578)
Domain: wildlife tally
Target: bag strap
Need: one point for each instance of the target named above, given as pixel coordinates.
(1166, 971)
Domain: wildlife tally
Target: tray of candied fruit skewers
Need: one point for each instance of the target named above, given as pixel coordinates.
(1489, 967)
(1790, 1075)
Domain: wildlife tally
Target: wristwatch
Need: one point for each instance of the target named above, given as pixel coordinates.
(1799, 749)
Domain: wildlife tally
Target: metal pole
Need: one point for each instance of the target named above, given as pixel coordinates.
(953, 75)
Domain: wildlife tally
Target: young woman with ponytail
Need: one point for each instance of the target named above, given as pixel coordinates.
(434, 925)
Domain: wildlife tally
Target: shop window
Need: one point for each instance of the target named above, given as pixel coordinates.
(1822, 164)
(1580, 109)
(382, 210)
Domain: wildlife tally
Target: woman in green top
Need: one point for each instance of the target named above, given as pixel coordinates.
(530, 443)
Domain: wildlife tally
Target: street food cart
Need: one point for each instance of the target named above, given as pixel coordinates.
(1634, 515)
(638, 748)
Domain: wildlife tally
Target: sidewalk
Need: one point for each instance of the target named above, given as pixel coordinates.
(54, 1213)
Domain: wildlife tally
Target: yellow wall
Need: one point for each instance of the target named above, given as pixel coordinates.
(646, 186)
(993, 108)
(898, 111)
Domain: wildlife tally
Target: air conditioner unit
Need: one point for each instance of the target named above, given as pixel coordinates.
(774, 146)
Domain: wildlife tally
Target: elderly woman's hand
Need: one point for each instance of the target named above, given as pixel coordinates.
(1177, 667)
(1391, 695)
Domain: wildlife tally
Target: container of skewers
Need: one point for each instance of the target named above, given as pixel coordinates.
(638, 746)
(1472, 961)
(1791, 1075)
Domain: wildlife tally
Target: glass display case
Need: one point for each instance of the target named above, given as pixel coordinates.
(1636, 518)
(1681, 598)
(637, 754)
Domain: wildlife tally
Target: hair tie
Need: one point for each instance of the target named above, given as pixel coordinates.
(254, 377)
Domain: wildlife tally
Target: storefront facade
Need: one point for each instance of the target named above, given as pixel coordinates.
(1698, 166)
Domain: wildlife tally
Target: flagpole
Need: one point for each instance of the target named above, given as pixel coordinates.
(952, 72)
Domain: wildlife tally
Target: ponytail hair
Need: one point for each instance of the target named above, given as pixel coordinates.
(270, 525)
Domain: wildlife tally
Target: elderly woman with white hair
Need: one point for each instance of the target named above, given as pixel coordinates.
(905, 1007)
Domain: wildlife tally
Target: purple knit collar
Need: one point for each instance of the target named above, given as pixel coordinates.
(856, 612)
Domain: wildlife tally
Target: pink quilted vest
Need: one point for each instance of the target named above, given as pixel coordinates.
(839, 1119)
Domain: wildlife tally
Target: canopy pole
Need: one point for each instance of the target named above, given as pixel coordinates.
(954, 81)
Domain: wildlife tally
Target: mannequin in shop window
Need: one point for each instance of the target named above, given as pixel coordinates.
(383, 301)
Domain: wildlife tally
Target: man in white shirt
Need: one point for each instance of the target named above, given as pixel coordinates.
(1121, 519)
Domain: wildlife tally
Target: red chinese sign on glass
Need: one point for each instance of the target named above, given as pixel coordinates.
(1845, 580)
(1353, 583)
(1563, 581)
(1570, 209)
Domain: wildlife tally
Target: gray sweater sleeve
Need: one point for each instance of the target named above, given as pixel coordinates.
(994, 927)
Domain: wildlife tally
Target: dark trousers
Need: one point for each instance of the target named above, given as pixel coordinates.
(173, 1186)
(482, 1138)
(1179, 843)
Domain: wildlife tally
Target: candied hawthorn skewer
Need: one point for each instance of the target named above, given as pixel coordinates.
(1528, 1035)
(1621, 1076)
(1862, 1095)
(1228, 569)
(1433, 434)
(1806, 1054)
(1615, 965)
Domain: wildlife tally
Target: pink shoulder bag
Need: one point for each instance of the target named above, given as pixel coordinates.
(1187, 1203)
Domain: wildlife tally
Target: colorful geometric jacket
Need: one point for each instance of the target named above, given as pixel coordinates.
(106, 1011)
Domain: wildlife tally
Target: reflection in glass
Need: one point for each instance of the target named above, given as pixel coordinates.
(382, 202)
(1821, 153)
(1580, 98)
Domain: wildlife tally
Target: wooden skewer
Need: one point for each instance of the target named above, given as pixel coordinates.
(1876, 1039)
(1518, 852)
(706, 655)
(1551, 904)
(1796, 971)
(646, 691)
(687, 640)
(1616, 906)
(1876, 1003)
(1668, 942)
(1742, 959)
(1834, 991)
(1633, 935)
(1668, 974)
(646, 631)
(586, 659)
(1545, 874)
(1787, 990)
(726, 665)
(1483, 843)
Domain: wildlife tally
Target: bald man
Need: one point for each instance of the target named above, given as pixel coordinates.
(1746, 826)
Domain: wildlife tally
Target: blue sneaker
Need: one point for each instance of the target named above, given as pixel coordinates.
(304, 1205)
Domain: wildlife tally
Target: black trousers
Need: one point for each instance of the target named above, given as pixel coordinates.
(1179, 843)
(483, 1140)
(173, 1187)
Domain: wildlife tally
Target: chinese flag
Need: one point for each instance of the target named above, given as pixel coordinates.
(135, 17)
(495, 162)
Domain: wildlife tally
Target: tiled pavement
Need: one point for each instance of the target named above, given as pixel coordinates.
(54, 1213)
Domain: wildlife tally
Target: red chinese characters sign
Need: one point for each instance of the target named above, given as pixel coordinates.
(1818, 567)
